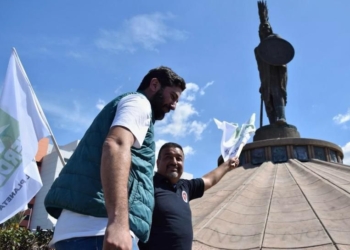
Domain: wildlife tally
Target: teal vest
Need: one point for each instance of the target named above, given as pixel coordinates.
(78, 187)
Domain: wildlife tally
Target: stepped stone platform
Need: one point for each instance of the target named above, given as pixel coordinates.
(292, 193)
(291, 205)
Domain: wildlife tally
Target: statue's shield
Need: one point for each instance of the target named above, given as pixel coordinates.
(275, 51)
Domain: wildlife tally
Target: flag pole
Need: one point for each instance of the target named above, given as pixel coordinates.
(40, 109)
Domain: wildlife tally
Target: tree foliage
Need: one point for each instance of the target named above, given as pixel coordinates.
(14, 237)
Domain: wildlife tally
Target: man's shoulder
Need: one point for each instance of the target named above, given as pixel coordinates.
(185, 182)
(133, 100)
(189, 180)
(194, 187)
(132, 95)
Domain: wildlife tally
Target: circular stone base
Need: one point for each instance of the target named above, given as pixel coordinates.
(276, 130)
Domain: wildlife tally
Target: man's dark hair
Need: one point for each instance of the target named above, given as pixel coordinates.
(169, 145)
(166, 76)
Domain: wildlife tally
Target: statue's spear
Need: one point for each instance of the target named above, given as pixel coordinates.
(261, 112)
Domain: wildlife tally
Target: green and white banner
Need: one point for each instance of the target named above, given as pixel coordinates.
(234, 137)
(22, 125)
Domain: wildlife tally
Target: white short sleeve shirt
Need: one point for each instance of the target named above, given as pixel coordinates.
(134, 113)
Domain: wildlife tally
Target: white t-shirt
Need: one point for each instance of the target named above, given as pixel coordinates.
(134, 113)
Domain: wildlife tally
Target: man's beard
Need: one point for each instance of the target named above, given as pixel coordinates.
(157, 105)
(172, 175)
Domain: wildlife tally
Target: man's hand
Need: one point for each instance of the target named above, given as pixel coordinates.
(232, 163)
(117, 238)
(213, 177)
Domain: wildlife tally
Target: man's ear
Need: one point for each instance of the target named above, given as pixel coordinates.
(154, 85)
(158, 164)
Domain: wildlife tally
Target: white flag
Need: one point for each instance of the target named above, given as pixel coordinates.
(22, 125)
(234, 137)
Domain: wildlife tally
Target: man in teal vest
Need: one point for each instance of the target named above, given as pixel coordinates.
(104, 195)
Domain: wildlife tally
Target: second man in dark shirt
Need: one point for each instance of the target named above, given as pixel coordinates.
(172, 222)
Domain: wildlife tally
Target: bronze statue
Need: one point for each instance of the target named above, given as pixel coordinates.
(272, 56)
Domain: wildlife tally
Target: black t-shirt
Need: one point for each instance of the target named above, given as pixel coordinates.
(172, 219)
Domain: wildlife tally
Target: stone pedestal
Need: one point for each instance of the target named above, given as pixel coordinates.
(275, 131)
(283, 149)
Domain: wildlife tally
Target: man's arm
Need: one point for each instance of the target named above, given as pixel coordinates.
(213, 177)
(115, 168)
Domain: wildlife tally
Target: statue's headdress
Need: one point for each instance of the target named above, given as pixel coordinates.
(265, 28)
(263, 12)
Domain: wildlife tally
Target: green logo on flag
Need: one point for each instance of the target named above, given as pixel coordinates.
(10, 147)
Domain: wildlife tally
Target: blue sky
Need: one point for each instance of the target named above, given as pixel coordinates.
(81, 54)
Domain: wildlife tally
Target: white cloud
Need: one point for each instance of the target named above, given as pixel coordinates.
(159, 144)
(181, 123)
(100, 104)
(197, 128)
(188, 150)
(190, 92)
(342, 118)
(202, 91)
(346, 151)
(146, 31)
(184, 121)
(68, 118)
(77, 55)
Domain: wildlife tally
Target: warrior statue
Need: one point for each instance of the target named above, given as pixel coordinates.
(272, 56)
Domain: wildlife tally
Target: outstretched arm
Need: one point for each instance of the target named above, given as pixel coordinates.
(115, 167)
(213, 177)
